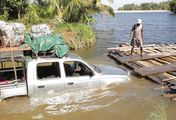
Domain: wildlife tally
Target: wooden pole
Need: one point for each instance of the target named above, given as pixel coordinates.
(12, 58)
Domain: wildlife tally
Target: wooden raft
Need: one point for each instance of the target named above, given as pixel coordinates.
(158, 62)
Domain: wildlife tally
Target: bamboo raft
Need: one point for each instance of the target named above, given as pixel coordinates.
(158, 64)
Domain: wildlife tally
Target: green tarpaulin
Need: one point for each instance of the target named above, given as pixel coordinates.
(52, 43)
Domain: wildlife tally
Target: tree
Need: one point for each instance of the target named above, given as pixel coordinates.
(13, 9)
(3, 10)
(172, 5)
(164, 5)
(79, 10)
(71, 10)
(130, 7)
(146, 6)
(60, 10)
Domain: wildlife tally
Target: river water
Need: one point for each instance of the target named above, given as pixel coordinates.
(137, 99)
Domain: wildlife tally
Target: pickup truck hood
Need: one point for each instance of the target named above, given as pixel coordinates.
(108, 70)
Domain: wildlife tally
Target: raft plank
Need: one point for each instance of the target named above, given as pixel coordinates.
(173, 57)
(157, 69)
(128, 48)
(173, 73)
(168, 79)
(161, 61)
(152, 51)
(169, 95)
(115, 56)
(146, 63)
(155, 62)
(159, 50)
(156, 79)
(134, 57)
(168, 59)
(162, 78)
(134, 65)
(173, 87)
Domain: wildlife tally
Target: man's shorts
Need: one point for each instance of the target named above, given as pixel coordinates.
(137, 43)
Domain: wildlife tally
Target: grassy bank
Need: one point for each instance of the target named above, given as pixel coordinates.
(76, 35)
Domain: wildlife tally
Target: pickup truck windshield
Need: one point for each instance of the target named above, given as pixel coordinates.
(96, 68)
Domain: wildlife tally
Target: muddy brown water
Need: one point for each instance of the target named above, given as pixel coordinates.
(136, 99)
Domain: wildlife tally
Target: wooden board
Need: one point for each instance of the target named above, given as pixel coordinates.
(155, 70)
(155, 78)
(153, 46)
(8, 49)
(7, 55)
(125, 59)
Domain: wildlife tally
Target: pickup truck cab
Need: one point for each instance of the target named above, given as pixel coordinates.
(38, 76)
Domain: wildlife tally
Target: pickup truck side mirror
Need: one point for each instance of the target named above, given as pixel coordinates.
(90, 73)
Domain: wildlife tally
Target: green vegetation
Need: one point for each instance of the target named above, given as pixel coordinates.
(74, 15)
(12, 9)
(173, 6)
(76, 35)
(146, 6)
(60, 10)
(157, 112)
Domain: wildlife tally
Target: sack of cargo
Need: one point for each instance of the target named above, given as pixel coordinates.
(11, 34)
(18, 28)
(39, 30)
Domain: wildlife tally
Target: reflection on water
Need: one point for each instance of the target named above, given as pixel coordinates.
(122, 101)
(67, 102)
(61, 103)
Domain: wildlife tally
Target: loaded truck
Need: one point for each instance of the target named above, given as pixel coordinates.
(20, 76)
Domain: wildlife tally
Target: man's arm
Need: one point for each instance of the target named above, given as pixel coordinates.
(142, 34)
(132, 32)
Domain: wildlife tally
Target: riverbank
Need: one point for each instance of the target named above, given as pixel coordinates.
(139, 11)
(76, 35)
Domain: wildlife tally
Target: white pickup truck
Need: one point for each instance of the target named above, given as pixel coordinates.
(38, 76)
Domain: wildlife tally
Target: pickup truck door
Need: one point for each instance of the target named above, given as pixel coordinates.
(81, 83)
(80, 79)
(49, 78)
(49, 85)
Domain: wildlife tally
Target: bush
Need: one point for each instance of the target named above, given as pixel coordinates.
(76, 35)
(173, 6)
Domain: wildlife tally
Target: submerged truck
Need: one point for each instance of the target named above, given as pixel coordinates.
(33, 77)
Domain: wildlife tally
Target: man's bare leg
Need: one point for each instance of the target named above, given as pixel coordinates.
(132, 49)
(141, 49)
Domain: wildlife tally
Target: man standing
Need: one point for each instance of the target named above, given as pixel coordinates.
(136, 36)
